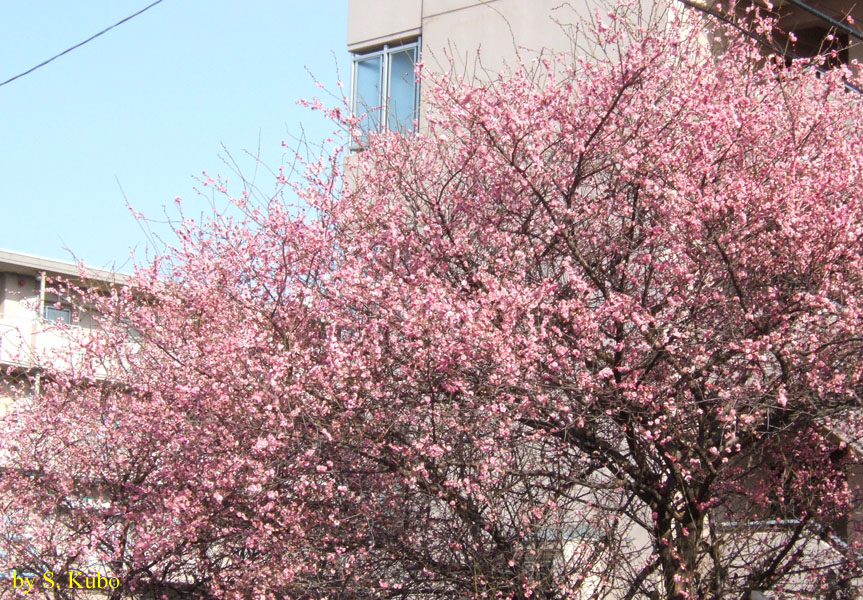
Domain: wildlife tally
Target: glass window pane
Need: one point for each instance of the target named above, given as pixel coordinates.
(368, 91)
(58, 314)
(401, 110)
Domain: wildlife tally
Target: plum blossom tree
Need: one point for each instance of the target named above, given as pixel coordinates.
(594, 332)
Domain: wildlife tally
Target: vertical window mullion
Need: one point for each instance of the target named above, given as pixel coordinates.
(354, 85)
(385, 86)
(417, 83)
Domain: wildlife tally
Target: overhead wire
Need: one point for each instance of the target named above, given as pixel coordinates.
(89, 39)
(798, 3)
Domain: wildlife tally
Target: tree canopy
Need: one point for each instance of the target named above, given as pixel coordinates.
(594, 331)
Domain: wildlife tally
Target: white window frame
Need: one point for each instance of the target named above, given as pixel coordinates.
(384, 82)
(56, 311)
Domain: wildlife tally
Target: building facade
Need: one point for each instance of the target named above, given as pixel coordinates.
(483, 38)
(36, 323)
(387, 37)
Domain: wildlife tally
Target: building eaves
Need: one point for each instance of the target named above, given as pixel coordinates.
(28, 264)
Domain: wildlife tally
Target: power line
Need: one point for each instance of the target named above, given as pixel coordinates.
(89, 39)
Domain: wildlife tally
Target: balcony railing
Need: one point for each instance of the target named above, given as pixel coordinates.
(31, 342)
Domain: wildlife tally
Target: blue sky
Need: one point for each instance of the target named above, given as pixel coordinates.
(150, 104)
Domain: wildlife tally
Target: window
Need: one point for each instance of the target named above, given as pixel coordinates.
(385, 88)
(54, 314)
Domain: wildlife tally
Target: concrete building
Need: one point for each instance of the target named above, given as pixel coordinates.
(487, 37)
(30, 311)
(500, 29)
(387, 37)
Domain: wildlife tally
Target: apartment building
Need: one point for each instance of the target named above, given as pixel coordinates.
(30, 311)
(387, 37)
(486, 37)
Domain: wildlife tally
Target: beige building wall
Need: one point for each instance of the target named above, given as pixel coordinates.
(474, 39)
(504, 30)
(501, 30)
(25, 337)
(372, 23)
(27, 340)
